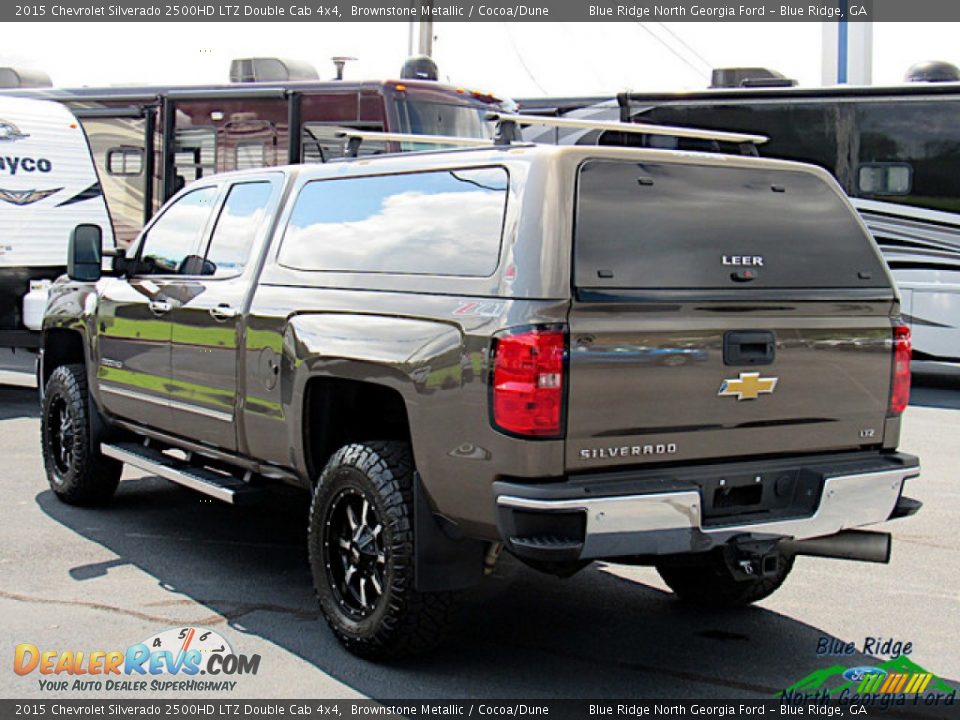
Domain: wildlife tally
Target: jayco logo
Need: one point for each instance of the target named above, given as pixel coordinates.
(25, 164)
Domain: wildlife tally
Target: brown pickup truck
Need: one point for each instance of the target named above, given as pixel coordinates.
(691, 361)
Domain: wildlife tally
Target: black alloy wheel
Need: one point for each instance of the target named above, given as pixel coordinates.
(70, 433)
(353, 542)
(361, 539)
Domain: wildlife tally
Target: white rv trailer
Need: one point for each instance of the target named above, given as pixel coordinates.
(48, 184)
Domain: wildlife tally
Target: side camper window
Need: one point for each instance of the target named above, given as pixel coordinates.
(447, 222)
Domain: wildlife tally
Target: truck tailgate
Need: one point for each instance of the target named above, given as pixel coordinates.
(722, 311)
(654, 386)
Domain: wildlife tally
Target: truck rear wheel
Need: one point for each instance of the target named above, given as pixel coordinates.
(69, 426)
(361, 537)
(706, 581)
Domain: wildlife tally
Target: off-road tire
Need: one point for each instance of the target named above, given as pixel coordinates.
(76, 470)
(400, 621)
(706, 581)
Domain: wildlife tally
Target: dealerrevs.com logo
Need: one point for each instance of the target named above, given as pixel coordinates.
(179, 659)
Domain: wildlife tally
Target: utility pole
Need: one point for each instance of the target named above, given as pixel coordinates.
(426, 32)
(847, 52)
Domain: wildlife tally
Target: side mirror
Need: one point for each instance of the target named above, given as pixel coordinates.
(120, 264)
(196, 265)
(85, 253)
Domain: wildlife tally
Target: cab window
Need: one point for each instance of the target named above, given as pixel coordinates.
(170, 245)
(243, 215)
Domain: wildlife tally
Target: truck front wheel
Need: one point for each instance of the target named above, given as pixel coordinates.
(69, 426)
(706, 581)
(361, 537)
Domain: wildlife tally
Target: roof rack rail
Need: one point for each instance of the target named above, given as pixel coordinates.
(356, 137)
(508, 128)
(508, 132)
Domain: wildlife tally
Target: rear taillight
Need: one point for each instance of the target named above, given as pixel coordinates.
(528, 382)
(900, 393)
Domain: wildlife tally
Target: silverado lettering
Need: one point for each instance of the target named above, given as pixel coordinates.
(628, 451)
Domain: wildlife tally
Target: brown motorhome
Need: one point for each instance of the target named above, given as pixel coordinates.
(149, 141)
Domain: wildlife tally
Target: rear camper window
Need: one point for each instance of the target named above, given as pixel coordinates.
(445, 222)
(671, 226)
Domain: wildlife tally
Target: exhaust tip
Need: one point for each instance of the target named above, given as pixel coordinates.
(862, 545)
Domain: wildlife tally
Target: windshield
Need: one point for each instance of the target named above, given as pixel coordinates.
(430, 118)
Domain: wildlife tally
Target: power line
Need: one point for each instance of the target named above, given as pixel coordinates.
(687, 46)
(680, 57)
(516, 50)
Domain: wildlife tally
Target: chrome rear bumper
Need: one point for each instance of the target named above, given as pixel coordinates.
(671, 522)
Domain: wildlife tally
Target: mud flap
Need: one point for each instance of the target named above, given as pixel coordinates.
(443, 562)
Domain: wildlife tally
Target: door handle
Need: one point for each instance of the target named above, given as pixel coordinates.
(160, 307)
(223, 312)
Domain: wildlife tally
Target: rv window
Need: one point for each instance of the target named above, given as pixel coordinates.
(174, 237)
(124, 194)
(438, 223)
(804, 131)
(920, 134)
(241, 218)
(885, 179)
(251, 155)
(429, 118)
(321, 144)
(125, 160)
(195, 153)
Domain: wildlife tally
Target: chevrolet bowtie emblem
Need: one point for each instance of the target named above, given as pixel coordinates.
(748, 386)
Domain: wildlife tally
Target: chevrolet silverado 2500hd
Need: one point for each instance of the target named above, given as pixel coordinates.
(683, 360)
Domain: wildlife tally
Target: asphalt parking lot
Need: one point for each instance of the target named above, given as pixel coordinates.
(161, 556)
